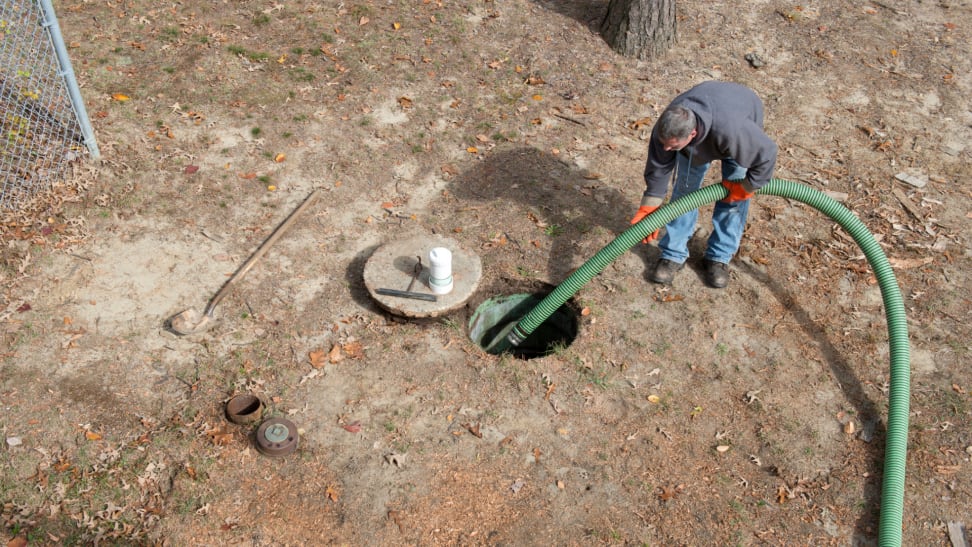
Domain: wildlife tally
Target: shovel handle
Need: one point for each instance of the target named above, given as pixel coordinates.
(261, 250)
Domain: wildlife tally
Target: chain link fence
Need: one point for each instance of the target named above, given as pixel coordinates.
(43, 124)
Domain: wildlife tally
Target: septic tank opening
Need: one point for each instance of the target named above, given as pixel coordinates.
(492, 316)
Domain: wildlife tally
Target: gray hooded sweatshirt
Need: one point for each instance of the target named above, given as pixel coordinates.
(729, 124)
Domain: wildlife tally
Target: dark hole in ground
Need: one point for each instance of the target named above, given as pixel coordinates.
(496, 314)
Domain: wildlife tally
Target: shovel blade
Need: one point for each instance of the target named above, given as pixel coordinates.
(188, 322)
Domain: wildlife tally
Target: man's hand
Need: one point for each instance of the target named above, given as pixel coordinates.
(644, 211)
(738, 191)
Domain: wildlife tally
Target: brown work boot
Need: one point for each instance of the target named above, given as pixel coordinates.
(665, 271)
(716, 274)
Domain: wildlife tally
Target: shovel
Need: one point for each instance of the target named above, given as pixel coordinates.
(190, 321)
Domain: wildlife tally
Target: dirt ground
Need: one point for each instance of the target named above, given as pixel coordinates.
(684, 415)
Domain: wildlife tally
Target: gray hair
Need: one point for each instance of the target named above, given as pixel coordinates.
(676, 122)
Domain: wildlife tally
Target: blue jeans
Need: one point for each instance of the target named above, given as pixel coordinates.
(728, 219)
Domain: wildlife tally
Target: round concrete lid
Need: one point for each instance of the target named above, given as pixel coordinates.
(392, 266)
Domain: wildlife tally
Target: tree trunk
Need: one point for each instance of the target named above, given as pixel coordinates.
(640, 28)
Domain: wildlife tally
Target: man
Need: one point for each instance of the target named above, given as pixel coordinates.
(712, 121)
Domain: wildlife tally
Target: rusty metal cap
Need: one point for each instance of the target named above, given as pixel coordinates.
(277, 437)
(244, 408)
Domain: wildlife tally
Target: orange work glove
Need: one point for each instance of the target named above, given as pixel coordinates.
(644, 211)
(737, 191)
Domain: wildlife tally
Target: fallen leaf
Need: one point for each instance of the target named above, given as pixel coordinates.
(472, 150)
(331, 493)
(536, 220)
(310, 375)
(474, 429)
(668, 492)
(585, 312)
(722, 448)
(354, 350)
(550, 390)
(353, 427)
(190, 169)
(497, 241)
(335, 355)
(120, 97)
(92, 436)
(405, 102)
(221, 436)
(639, 123)
(317, 358)
(363, 21)
(280, 158)
(907, 263)
(655, 399)
(18, 541)
(247, 176)
(396, 25)
(24, 307)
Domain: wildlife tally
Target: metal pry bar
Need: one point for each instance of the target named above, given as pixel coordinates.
(407, 294)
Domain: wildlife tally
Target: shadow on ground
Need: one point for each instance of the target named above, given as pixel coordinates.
(588, 12)
(534, 197)
(848, 382)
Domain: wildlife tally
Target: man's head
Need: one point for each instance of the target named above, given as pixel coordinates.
(676, 127)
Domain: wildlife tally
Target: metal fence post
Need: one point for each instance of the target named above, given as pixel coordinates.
(44, 127)
(54, 31)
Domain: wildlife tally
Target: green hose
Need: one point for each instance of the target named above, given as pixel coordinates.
(892, 495)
